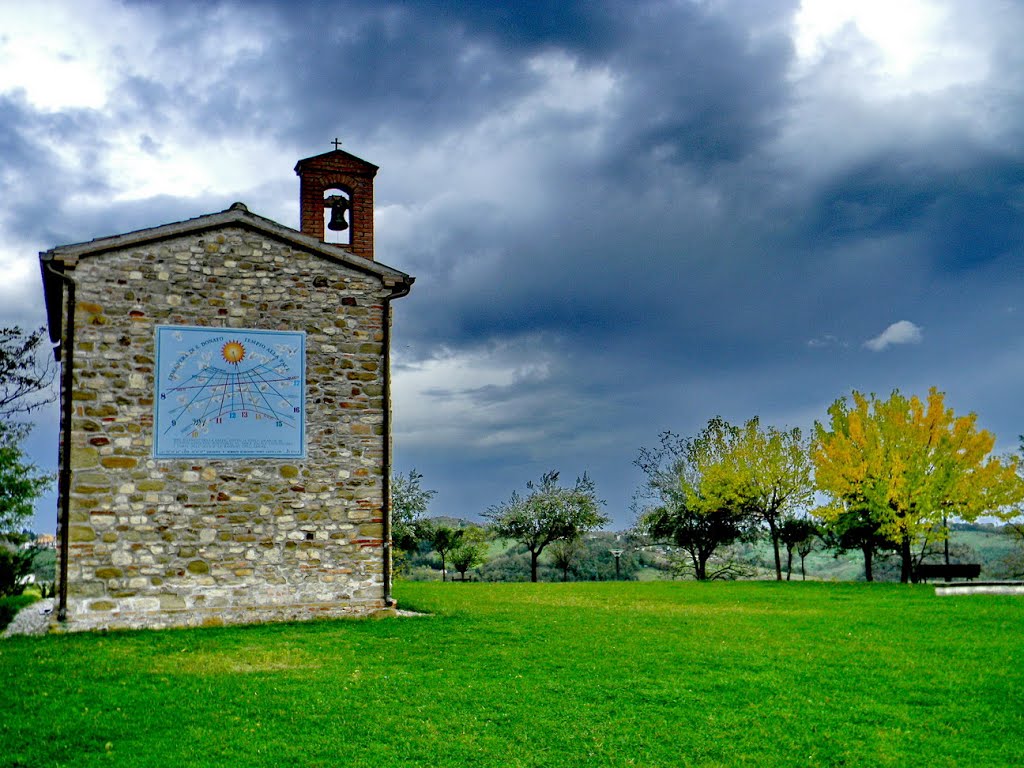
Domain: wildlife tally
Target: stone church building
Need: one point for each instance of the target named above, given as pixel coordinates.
(225, 429)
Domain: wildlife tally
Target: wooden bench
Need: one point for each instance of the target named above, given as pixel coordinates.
(945, 572)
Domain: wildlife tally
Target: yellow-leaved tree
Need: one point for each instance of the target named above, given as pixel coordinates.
(908, 466)
(765, 474)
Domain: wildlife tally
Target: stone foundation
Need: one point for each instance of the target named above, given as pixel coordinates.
(145, 614)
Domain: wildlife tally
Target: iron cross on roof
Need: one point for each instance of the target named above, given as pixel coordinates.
(336, 144)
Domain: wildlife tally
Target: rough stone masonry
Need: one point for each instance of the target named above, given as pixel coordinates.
(200, 541)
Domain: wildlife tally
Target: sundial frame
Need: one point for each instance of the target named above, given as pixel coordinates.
(229, 393)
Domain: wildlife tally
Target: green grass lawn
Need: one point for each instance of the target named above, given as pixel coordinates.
(585, 674)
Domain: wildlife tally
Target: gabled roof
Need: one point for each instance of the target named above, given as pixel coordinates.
(338, 158)
(237, 215)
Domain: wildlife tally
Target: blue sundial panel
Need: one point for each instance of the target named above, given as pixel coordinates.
(229, 393)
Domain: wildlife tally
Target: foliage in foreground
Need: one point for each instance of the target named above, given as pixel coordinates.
(665, 674)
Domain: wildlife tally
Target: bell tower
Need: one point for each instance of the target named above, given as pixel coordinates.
(332, 185)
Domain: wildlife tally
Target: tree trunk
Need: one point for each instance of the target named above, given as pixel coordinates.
(700, 568)
(869, 552)
(789, 563)
(533, 565)
(775, 545)
(907, 558)
(444, 575)
(803, 570)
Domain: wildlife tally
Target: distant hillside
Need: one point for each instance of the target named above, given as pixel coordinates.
(987, 545)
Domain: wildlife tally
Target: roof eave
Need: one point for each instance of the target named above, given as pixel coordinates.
(237, 215)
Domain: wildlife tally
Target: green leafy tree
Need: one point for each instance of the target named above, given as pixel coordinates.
(471, 550)
(803, 549)
(26, 372)
(847, 527)
(21, 482)
(679, 502)
(409, 503)
(1013, 562)
(909, 466)
(548, 513)
(565, 553)
(440, 538)
(26, 376)
(15, 566)
(797, 533)
(767, 474)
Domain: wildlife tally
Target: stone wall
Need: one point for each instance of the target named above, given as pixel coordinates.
(157, 543)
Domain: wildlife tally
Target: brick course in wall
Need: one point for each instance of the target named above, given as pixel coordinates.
(185, 542)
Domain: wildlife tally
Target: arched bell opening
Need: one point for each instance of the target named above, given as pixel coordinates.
(337, 216)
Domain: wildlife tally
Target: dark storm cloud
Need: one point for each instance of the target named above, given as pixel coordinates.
(638, 214)
(693, 92)
(700, 88)
(695, 86)
(963, 216)
(584, 26)
(37, 175)
(366, 67)
(50, 158)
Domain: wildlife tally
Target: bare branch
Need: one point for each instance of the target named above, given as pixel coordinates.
(27, 372)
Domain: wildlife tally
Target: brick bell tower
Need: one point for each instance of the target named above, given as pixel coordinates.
(332, 185)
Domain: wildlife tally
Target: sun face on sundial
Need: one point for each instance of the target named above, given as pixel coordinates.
(233, 352)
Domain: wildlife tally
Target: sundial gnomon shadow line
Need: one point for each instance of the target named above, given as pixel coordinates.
(219, 393)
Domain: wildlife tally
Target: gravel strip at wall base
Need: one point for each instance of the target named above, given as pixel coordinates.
(31, 620)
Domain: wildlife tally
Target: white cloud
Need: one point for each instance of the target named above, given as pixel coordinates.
(478, 397)
(900, 332)
(905, 47)
(56, 54)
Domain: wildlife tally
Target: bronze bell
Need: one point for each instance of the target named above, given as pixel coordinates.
(338, 207)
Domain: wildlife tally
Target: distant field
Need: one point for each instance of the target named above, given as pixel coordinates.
(585, 674)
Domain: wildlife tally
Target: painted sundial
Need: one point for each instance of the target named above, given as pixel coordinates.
(229, 393)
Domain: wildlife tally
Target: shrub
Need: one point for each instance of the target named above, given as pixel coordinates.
(9, 607)
(15, 565)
